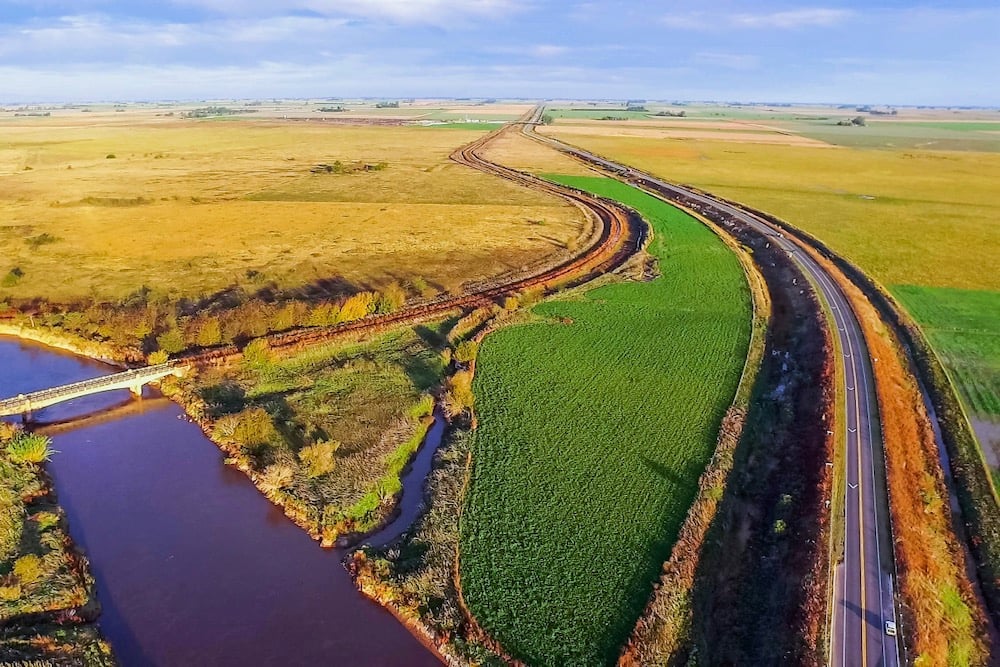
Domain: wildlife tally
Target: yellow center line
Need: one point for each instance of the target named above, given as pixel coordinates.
(861, 500)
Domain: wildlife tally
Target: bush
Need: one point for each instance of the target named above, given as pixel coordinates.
(358, 306)
(391, 299)
(320, 458)
(460, 396)
(13, 277)
(277, 477)
(10, 593)
(157, 357)
(171, 341)
(210, 333)
(466, 351)
(29, 448)
(46, 520)
(28, 569)
(254, 428)
(257, 354)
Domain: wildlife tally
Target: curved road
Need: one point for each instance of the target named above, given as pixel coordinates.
(863, 590)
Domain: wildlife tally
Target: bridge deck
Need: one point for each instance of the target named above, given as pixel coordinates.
(25, 403)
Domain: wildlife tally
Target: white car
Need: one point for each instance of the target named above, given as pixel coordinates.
(890, 628)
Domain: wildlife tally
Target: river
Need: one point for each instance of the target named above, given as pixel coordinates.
(193, 565)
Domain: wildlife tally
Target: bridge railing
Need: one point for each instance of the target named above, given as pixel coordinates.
(146, 374)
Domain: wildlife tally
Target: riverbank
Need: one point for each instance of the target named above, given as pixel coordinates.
(326, 433)
(192, 564)
(47, 597)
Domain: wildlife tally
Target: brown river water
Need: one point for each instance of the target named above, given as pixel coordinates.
(193, 565)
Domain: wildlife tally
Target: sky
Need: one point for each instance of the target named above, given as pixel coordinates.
(844, 51)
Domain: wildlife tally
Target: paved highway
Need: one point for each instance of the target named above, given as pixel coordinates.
(863, 591)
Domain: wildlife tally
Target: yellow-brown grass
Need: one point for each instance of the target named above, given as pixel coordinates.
(190, 207)
(641, 129)
(513, 149)
(905, 217)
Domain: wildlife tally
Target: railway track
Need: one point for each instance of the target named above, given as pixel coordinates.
(614, 241)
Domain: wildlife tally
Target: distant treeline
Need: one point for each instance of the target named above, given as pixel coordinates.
(207, 112)
(164, 326)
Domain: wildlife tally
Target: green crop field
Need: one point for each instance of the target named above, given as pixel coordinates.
(594, 426)
(888, 134)
(596, 113)
(964, 325)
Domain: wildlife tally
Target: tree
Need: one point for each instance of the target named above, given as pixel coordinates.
(210, 333)
(170, 341)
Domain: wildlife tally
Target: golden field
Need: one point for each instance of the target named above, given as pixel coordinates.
(906, 217)
(98, 205)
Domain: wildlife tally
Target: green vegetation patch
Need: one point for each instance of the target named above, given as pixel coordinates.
(598, 114)
(41, 578)
(938, 136)
(594, 428)
(959, 126)
(326, 432)
(964, 328)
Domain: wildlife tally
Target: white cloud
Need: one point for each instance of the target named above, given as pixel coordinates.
(98, 37)
(785, 20)
(798, 18)
(548, 50)
(441, 13)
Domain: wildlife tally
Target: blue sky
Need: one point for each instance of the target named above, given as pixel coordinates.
(889, 52)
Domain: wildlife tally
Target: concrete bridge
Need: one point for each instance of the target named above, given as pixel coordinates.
(133, 380)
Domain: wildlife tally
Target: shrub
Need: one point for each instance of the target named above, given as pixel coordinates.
(257, 354)
(320, 458)
(7, 431)
(276, 477)
(171, 341)
(460, 396)
(321, 315)
(391, 299)
(46, 520)
(466, 351)
(28, 569)
(13, 277)
(357, 306)
(210, 333)
(29, 448)
(510, 303)
(10, 593)
(425, 290)
(254, 428)
(157, 357)
(110, 156)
